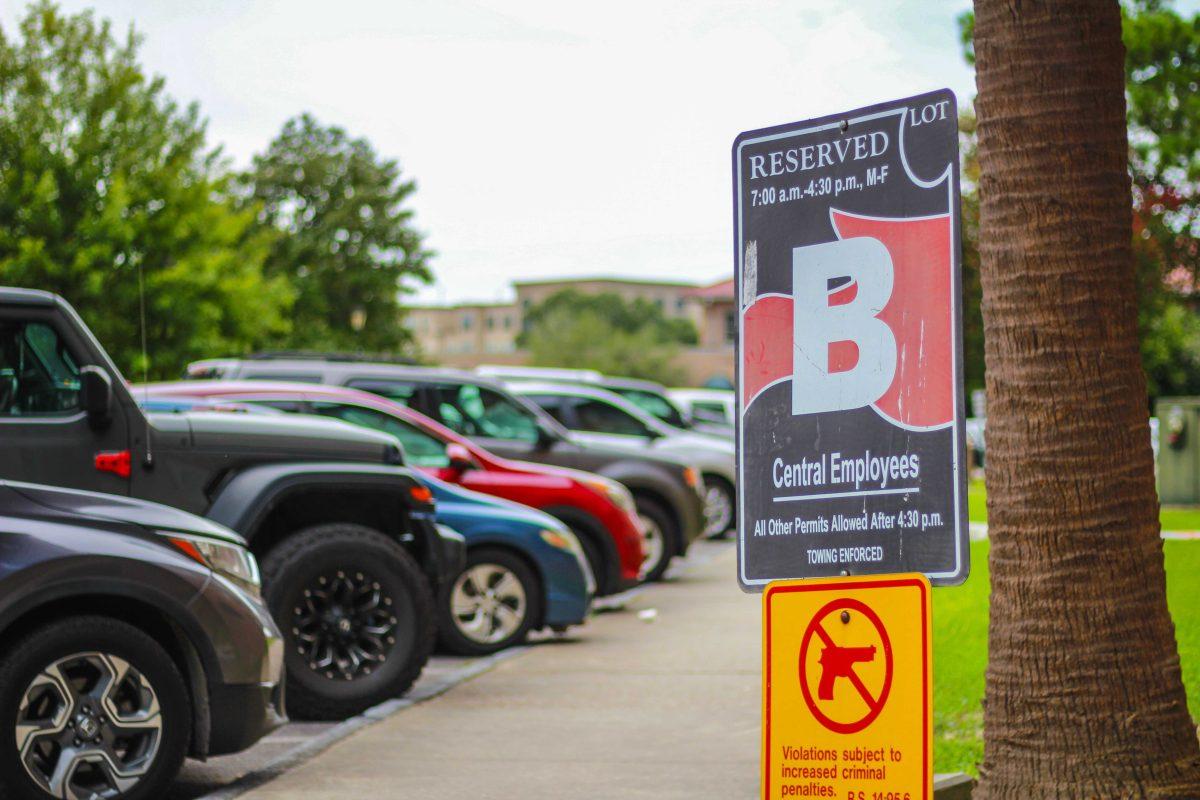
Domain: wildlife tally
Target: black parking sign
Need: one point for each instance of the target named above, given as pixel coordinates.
(850, 400)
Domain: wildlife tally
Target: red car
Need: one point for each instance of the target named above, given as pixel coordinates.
(599, 510)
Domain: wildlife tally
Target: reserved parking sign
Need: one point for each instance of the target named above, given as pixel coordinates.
(851, 456)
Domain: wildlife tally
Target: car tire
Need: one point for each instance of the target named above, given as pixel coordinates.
(660, 539)
(357, 616)
(718, 498)
(468, 620)
(88, 651)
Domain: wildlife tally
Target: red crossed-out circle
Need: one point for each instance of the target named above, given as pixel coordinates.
(874, 704)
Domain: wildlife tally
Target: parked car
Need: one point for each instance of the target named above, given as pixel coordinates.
(525, 571)
(596, 416)
(599, 510)
(666, 491)
(715, 406)
(649, 396)
(323, 504)
(131, 635)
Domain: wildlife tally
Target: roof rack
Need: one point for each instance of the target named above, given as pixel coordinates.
(319, 355)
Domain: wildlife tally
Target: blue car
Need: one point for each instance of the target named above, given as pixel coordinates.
(525, 570)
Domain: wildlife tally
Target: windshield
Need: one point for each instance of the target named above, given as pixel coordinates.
(420, 449)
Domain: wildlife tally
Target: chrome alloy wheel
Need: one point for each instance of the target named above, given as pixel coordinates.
(88, 726)
(488, 603)
(343, 625)
(653, 544)
(718, 510)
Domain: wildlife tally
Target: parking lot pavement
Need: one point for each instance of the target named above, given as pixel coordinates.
(227, 776)
(658, 700)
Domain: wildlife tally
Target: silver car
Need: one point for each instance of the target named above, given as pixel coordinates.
(600, 417)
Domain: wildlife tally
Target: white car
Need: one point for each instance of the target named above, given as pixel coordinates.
(708, 405)
(649, 396)
(600, 417)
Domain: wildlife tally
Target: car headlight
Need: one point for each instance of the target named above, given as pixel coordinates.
(224, 558)
(615, 492)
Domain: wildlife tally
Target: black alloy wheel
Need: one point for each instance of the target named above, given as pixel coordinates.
(357, 616)
(344, 626)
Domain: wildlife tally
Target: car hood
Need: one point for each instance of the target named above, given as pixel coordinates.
(714, 429)
(700, 441)
(451, 500)
(287, 436)
(111, 508)
(701, 451)
(606, 446)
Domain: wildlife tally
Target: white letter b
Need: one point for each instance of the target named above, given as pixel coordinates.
(820, 324)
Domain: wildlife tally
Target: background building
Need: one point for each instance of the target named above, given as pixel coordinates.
(467, 335)
(464, 330)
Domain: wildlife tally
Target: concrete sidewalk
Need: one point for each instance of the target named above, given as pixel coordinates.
(629, 708)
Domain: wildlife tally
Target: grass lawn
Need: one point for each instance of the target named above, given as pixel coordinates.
(1174, 518)
(960, 649)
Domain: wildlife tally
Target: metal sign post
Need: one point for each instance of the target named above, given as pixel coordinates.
(851, 456)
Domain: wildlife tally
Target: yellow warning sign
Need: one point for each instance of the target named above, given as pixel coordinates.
(848, 689)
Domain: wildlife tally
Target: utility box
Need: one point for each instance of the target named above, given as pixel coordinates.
(1178, 450)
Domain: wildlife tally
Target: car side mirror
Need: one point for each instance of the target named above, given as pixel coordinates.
(460, 458)
(95, 390)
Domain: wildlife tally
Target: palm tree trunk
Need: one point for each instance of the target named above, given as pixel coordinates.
(1084, 694)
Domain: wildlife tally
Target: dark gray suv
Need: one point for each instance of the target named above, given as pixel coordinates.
(131, 635)
(351, 557)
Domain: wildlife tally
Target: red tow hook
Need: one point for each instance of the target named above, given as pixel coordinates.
(117, 462)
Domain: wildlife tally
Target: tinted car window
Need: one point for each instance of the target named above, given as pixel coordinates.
(420, 449)
(396, 391)
(283, 405)
(600, 417)
(479, 411)
(297, 377)
(552, 405)
(654, 404)
(38, 377)
(709, 411)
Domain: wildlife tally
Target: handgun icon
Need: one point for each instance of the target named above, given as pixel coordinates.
(838, 662)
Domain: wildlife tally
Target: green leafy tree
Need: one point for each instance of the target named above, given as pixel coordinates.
(348, 245)
(1162, 71)
(605, 332)
(103, 176)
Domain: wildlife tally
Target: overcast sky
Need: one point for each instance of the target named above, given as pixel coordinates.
(548, 138)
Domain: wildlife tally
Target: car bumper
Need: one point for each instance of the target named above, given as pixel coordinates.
(568, 593)
(241, 714)
(245, 691)
(691, 513)
(451, 558)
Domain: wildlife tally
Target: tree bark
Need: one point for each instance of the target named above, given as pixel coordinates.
(1084, 695)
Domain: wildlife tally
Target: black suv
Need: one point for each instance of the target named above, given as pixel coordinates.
(131, 635)
(668, 494)
(351, 558)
